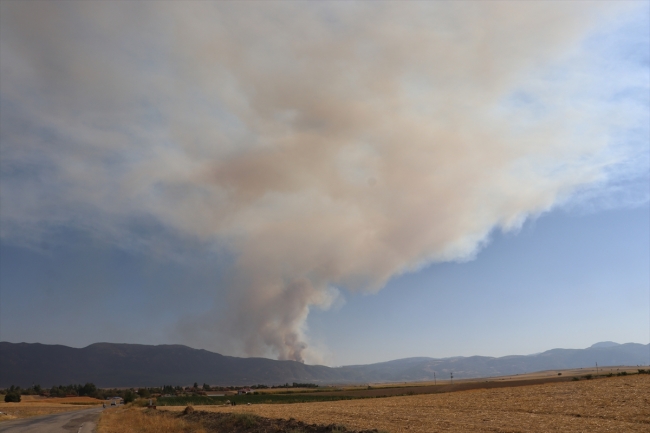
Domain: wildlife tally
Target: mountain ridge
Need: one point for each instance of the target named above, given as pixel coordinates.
(130, 365)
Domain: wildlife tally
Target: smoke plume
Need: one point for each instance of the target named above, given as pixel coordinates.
(325, 146)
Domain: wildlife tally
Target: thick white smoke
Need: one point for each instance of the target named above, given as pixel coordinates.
(328, 146)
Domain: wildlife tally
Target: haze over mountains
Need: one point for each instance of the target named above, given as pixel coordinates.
(131, 365)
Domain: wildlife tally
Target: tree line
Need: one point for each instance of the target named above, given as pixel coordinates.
(13, 393)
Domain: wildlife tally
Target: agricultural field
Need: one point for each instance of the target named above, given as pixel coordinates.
(35, 406)
(350, 392)
(619, 403)
(271, 398)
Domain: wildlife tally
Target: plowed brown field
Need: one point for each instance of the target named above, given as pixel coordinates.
(614, 404)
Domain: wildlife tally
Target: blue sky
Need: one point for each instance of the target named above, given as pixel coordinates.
(565, 280)
(327, 182)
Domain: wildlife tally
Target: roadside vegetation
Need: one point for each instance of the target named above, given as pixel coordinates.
(135, 420)
(12, 397)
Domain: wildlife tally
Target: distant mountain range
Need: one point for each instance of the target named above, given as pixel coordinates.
(133, 365)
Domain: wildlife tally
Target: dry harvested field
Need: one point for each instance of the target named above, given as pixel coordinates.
(441, 387)
(546, 374)
(88, 401)
(613, 404)
(430, 387)
(35, 406)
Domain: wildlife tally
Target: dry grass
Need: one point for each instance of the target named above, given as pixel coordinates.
(33, 405)
(600, 405)
(136, 420)
(35, 408)
(34, 399)
(6, 417)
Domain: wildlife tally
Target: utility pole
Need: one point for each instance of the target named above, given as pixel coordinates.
(452, 377)
(596, 369)
(434, 378)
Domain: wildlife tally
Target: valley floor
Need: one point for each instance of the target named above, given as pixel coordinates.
(597, 405)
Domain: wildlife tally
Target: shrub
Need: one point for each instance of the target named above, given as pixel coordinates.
(559, 374)
(575, 378)
(12, 397)
(245, 419)
(88, 389)
(141, 402)
(128, 397)
(588, 376)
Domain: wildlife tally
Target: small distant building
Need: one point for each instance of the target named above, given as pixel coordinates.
(245, 391)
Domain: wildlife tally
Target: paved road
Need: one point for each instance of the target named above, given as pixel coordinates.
(78, 421)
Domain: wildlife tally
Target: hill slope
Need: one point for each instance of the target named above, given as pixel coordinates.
(126, 365)
(415, 369)
(121, 365)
